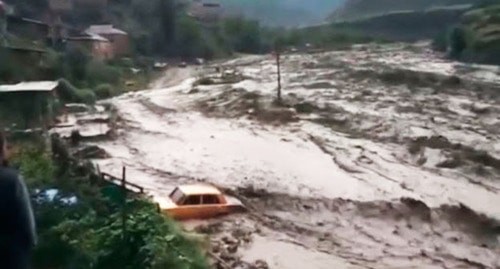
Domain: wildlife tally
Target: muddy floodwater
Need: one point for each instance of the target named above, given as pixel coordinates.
(378, 156)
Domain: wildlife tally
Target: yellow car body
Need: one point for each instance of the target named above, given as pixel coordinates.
(198, 202)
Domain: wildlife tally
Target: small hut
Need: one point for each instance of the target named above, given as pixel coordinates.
(28, 102)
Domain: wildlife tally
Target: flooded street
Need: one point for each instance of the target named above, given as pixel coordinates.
(379, 157)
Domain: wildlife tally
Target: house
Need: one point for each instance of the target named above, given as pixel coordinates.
(99, 47)
(118, 38)
(21, 56)
(91, 3)
(27, 28)
(205, 12)
(29, 101)
(61, 6)
(3, 22)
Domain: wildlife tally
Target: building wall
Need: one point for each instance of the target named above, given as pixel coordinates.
(26, 29)
(61, 5)
(98, 49)
(120, 43)
(91, 3)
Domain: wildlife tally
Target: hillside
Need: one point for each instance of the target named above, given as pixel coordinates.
(482, 29)
(356, 9)
(406, 25)
(282, 12)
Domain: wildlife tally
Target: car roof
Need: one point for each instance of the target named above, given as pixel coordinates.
(199, 189)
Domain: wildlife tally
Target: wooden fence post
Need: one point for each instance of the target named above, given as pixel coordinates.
(124, 206)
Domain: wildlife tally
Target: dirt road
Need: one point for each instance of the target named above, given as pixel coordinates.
(379, 157)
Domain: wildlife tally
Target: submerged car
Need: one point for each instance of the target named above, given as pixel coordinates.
(198, 202)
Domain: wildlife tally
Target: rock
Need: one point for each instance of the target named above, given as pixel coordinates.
(229, 240)
(260, 264)
(305, 107)
(480, 108)
(232, 248)
(76, 108)
(75, 137)
(91, 152)
(453, 162)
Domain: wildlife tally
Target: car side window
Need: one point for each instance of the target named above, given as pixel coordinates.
(193, 200)
(210, 199)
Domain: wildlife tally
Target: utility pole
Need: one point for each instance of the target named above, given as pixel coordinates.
(124, 206)
(278, 56)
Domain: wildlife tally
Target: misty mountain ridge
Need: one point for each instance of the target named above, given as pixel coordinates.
(288, 13)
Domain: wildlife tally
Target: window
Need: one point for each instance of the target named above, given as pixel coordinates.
(176, 196)
(210, 199)
(193, 200)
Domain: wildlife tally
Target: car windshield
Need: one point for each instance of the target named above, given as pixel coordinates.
(176, 196)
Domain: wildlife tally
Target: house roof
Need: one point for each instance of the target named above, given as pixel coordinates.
(15, 18)
(30, 86)
(105, 29)
(199, 189)
(89, 37)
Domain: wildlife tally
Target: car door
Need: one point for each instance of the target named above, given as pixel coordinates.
(191, 207)
(213, 205)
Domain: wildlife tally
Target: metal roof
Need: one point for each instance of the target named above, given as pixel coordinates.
(89, 37)
(199, 189)
(31, 86)
(105, 29)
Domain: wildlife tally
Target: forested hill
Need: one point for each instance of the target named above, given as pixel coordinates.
(283, 12)
(355, 9)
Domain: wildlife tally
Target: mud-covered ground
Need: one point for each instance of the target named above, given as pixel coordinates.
(377, 157)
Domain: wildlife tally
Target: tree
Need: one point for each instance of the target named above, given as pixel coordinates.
(189, 38)
(243, 35)
(167, 17)
(458, 42)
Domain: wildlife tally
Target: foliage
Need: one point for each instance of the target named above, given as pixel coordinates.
(457, 42)
(69, 93)
(98, 72)
(440, 42)
(79, 227)
(190, 38)
(104, 91)
(476, 39)
(243, 35)
(75, 62)
(35, 166)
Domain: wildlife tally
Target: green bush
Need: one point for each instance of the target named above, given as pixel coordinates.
(87, 233)
(104, 91)
(74, 61)
(458, 42)
(440, 42)
(70, 94)
(99, 72)
(86, 96)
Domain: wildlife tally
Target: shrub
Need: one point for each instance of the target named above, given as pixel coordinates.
(104, 91)
(87, 233)
(86, 96)
(70, 94)
(75, 62)
(440, 42)
(457, 42)
(99, 72)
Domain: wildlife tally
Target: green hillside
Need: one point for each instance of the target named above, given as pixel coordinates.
(357, 9)
(482, 27)
(282, 12)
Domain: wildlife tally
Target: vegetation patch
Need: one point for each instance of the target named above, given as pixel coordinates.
(81, 222)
